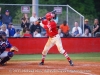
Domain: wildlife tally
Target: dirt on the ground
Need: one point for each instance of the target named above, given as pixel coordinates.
(50, 68)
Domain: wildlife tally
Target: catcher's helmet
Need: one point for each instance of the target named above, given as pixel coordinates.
(49, 16)
(2, 34)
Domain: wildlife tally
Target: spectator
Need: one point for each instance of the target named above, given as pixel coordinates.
(96, 27)
(17, 34)
(86, 33)
(65, 29)
(37, 33)
(86, 25)
(4, 28)
(76, 31)
(34, 27)
(33, 18)
(11, 30)
(6, 18)
(55, 17)
(22, 32)
(25, 21)
(59, 31)
(27, 33)
(97, 34)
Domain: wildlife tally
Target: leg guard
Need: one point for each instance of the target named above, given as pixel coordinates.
(4, 60)
(10, 54)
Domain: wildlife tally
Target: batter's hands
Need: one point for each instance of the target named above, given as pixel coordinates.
(37, 23)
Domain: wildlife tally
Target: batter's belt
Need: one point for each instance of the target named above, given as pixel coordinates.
(53, 36)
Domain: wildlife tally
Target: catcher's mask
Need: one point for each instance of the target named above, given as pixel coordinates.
(2, 35)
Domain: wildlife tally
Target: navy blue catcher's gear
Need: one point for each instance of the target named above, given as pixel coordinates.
(10, 54)
(4, 60)
(4, 45)
(2, 33)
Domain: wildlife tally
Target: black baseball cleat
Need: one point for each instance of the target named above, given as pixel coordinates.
(71, 63)
(41, 63)
(2, 64)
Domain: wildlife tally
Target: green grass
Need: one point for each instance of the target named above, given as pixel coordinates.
(79, 57)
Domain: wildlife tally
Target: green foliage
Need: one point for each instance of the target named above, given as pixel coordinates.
(64, 2)
(62, 16)
(42, 12)
(89, 8)
(16, 1)
(18, 15)
(85, 7)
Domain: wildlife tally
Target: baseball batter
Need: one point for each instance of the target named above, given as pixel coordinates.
(54, 39)
(4, 43)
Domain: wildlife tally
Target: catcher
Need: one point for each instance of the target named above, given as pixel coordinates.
(4, 44)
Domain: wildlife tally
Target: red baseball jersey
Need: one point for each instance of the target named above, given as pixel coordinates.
(50, 27)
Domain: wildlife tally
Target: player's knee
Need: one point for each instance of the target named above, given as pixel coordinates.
(10, 54)
(61, 51)
(44, 52)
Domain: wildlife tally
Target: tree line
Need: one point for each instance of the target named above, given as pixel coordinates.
(89, 8)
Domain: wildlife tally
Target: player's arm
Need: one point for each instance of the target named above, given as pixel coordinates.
(43, 24)
(8, 44)
(12, 48)
(95, 28)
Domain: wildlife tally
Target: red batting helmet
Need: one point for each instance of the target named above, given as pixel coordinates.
(49, 16)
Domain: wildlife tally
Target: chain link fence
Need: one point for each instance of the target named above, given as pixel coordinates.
(68, 13)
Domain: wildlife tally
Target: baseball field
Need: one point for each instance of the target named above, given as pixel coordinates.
(55, 64)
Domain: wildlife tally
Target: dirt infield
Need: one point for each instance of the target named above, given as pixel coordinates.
(50, 67)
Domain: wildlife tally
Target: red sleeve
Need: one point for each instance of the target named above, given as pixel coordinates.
(44, 22)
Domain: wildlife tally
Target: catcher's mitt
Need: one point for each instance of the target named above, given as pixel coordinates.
(13, 48)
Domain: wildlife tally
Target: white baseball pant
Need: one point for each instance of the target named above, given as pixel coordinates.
(56, 40)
